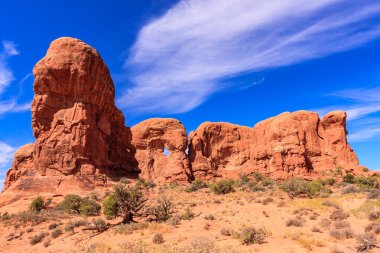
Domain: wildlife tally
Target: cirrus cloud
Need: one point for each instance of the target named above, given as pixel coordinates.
(184, 56)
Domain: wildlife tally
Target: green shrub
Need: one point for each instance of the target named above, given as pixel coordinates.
(366, 182)
(296, 187)
(148, 184)
(349, 178)
(71, 203)
(258, 176)
(365, 169)
(110, 206)
(223, 186)
(329, 181)
(89, 207)
(196, 185)
(39, 203)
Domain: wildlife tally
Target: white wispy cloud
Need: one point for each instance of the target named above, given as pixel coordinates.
(184, 56)
(362, 106)
(6, 154)
(6, 75)
(8, 106)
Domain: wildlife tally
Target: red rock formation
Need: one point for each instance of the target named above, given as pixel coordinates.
(82, 140)
(150, 138)
(79, 131)
(295, 144)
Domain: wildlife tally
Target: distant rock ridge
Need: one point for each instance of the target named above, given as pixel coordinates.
(82, 141)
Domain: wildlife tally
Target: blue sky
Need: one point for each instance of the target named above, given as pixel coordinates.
(206, 60)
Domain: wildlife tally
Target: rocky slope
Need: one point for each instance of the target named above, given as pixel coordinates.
(82, 141)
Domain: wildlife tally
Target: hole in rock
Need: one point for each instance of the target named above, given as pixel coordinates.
(166, 152)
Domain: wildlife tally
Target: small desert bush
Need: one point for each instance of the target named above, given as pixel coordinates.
(373, 194)
(71, 203)
(174, 221)
(330, 204)
(329, 181)
(294, 222)
(39, 203)
(129, 228)
(340, 234)
(196, 185)
(223, 186)
(209, 217)
(375, 215)
(188, 215)
(53, 226)
(350, 189)
(225, 232)
(365, 169)
(56, 233)
(339, 215)
(373, 227)
(158, 238)
(301, 187)
(37, 238)
(47, 242)
(100, 225)
(110, 206)
(163, 210)
(250, 235)
(366, 242)
(77, 205)
(349, 178)
(267, 200)
(148, 184)
(341, 224)
(89, 207)
(366, 182)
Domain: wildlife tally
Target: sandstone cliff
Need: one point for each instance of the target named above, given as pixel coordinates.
(295, 144)
(81, 136)
(82, 141)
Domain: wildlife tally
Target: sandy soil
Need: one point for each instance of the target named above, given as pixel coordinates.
(232, 211)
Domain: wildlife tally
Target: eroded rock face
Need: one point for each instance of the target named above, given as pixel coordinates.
(295, 144)
(78, 129)
(82, 141)
(155, 137)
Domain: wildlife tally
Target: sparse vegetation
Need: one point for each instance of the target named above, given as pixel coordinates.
(366, 242)
(163, 209)
(37, 238)
(39, 203)
(196, 185)
(344, 233)
(158, 238)
(188, 215)
(301, 187)
(223, 186)
(89, 207)
(56, 233)
(126, 201)
(294, 222)
(250, 235)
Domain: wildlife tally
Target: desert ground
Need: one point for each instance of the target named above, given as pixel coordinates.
(249, 214)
